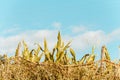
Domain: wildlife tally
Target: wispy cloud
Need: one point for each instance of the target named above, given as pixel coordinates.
(77, 29)
(14, 29)
(56, 25)
(115, 34)
(11, 30)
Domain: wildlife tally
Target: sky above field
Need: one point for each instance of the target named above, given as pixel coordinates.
(86, 22)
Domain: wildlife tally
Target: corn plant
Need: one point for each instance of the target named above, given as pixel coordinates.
(32, 55)
(83, 59)
(57, 64)
(91, 57)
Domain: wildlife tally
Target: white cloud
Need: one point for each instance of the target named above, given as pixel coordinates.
(15, 28)
(80, 41)
(57, 25)
(90, 38)
(77, 29)
(8, 44)
(115, 34)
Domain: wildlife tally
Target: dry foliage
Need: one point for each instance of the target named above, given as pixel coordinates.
(57, 65)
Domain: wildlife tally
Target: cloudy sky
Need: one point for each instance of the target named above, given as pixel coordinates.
(86, 22)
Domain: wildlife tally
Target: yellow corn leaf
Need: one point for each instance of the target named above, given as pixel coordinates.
(31, 55)
(25, 51)
(52, 58)
(5, 56)
(57, 54)
(25, 45)
(61, 55)
(38, 49)
(52, 55)
(17, 50)
(93, 49)
(91, 58)
(53, 51)
(47, 56)
(72, 52)
(59, 40)
(62, 45)
(83, 59)
(107, 54)
(66, 59)
(40, 56)
(45, 45)
(67, 45)
(36, 58)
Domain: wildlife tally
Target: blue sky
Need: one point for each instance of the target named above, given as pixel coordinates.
(94, 20)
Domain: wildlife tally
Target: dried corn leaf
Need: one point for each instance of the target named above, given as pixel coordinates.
(17, 50)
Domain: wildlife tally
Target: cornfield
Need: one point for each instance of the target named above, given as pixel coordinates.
(57, 64)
